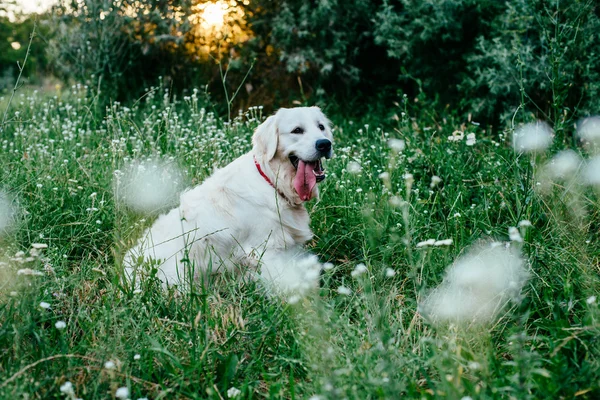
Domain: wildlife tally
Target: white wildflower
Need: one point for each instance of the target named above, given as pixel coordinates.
(533, 137)
(471, 140)
(474, 365)
(457, 136)
(591, 173)
(425, 243)
(29, 271)
(290, 272)
(233, 392)
(589, 129)
(591, 300)
(344, 290)
(328, 266)
(435, 180)
(109, 365)
(60, 325)
(524, 223)
(563, 165)
(39, 246)
(122, 393)
(7, 212)
(444, 242)
(384, 176)
(147, 187)
(396, 201)
(389, 272)
(353, 167)
(477, 285)
(67, 388)
(44, 305)
(514, 235)
(397, 145)
(359, 270)
(408, 178)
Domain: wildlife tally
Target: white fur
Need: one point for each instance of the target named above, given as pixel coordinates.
(235, 217)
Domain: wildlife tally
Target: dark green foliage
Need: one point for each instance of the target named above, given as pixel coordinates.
(11, 59)
(485, 57)
(549, 49)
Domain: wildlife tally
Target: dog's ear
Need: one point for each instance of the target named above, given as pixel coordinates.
(265, 139)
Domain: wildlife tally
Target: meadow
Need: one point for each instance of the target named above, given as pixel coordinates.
(408, 193)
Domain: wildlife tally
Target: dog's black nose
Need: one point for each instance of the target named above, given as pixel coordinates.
(323, 145)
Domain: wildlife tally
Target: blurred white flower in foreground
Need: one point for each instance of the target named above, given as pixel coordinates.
(290, 272)
(359, 270)
(591, 172)
(435, 180)
(563, 165)
(397, 145)
(148, 186)
(457, 136)
(344, 290)
(533, 137)
(60, 325)
(471, 139)
(353, 167)
(233, 392)
(514, 235)
(29, 271)
(425, 243)
(7, 212)
(122, 393)
(589, 129)
(67, 388)
(477, 285)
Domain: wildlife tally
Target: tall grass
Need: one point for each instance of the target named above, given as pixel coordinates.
(62, 161)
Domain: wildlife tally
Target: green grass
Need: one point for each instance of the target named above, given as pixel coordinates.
(58, 158)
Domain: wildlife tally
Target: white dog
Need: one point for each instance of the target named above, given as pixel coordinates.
(250, 209)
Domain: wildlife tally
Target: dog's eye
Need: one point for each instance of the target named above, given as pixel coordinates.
(298, 130)
(321, 127)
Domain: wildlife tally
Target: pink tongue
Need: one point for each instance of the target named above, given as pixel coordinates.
(305, 179)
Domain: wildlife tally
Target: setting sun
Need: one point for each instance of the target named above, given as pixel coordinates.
(213, 14)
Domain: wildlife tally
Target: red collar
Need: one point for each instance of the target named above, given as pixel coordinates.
(266, 178)
(260, 171)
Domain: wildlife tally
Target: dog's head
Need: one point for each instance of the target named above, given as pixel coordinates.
(292, 143)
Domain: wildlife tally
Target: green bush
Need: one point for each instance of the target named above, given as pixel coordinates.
(122, 47)
(11, 58)
(472, 54)
(549, 49)
(486, 57)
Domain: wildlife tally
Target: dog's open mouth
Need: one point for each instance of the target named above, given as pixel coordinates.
(317, 167)
(308, 173)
